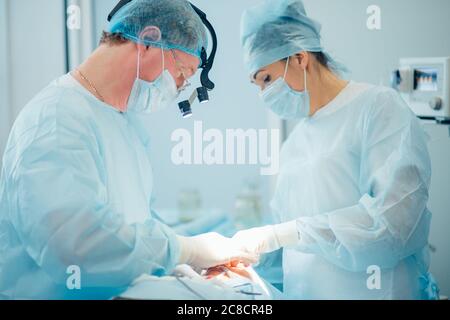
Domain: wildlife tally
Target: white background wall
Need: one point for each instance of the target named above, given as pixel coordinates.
(5, 118)
(32, 53)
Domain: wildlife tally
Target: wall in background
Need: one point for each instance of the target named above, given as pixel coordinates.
(33, 51)
(37, 47)
(5, 119)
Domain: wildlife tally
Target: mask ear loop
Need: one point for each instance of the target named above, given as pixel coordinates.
(306, 100)
(163, 60)
(306, 86)
(138, 63)
(286, 68)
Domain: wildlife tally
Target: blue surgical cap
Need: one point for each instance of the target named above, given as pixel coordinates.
(181, 27)
(274, 30)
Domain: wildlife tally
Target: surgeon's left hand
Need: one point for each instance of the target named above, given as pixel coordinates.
(267, 239)
(211, 249)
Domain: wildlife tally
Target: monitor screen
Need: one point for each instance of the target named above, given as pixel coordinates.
(426, 79)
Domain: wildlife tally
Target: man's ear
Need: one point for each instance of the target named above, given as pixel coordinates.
(151, 33)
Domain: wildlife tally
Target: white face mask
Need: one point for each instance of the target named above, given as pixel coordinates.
(149, 97)
(285, 102)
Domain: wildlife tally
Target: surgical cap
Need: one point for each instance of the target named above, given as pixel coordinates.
(274, 30)
(181, 27)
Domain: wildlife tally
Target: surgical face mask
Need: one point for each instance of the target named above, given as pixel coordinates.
(285, 102)
(148, 97)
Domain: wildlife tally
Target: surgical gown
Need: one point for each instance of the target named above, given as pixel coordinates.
(75, 194)
(355, 177)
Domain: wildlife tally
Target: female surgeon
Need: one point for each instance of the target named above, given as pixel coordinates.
(352, 191)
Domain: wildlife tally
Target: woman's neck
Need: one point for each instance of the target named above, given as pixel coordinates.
(324, 87)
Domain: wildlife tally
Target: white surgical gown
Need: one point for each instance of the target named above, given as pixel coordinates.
(75, 190)
(355, 177)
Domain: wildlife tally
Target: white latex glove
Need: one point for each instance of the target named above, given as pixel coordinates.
(210, 250)
(184, 270)
(269, 238)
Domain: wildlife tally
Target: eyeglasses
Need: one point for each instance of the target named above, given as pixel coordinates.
(182, 69)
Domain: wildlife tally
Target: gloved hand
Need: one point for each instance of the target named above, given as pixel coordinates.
(267, 239)
(210, 250)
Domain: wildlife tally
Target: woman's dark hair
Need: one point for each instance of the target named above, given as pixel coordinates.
(321, 58)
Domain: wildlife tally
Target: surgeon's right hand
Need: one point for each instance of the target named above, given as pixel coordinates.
(210, 250)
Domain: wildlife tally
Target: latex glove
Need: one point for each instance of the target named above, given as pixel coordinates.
(269, 238)
(210, 250)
